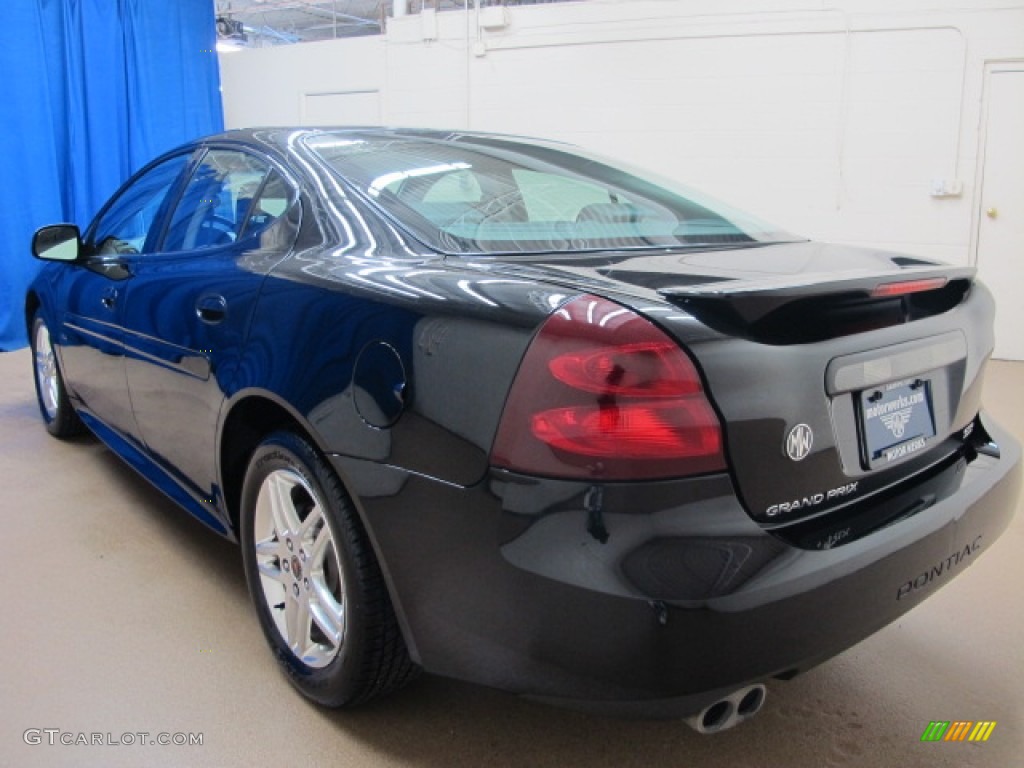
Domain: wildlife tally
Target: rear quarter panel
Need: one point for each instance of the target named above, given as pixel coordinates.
(322, 320)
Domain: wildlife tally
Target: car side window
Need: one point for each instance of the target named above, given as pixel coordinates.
(272, 201)
(216, 202)
(125, 226)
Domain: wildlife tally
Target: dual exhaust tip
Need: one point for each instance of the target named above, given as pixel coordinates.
(729, 711)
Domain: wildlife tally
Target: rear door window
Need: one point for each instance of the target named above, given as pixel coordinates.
(272, 201)
(217, 201)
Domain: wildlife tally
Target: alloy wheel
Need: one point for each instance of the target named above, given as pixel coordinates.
(46, 371)
(299, 569)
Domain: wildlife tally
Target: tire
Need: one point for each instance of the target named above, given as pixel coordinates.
(318, 590)
(54, 405)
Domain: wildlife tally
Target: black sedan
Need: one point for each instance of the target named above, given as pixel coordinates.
(513, 413)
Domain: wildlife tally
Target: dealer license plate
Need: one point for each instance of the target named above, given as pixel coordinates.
(897, 420)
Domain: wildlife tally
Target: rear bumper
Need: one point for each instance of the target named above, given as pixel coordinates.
(652, 599)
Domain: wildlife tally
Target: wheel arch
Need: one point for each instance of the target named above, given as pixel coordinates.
(32, 305)
(247, 419)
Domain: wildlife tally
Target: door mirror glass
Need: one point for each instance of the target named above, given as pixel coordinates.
(57, 242)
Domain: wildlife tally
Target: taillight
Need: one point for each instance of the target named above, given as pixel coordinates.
(602, 393)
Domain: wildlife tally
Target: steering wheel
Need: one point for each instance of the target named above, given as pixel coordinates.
(114, 245)
(219, 231)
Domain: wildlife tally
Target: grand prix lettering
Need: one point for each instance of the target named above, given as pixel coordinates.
(805, 502)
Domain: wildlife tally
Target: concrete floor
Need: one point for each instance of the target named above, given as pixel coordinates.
(123, 615)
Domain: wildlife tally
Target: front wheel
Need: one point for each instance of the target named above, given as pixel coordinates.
(54, 405)
(318, 590)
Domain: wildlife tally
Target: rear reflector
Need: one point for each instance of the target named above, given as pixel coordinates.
(602, 393)
(908, 286)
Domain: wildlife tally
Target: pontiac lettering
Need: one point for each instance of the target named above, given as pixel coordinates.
(943, 566)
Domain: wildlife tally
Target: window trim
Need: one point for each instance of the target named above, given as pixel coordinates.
(194, 153)
(198, 156)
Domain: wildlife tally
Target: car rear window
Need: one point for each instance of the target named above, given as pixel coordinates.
(476, 194)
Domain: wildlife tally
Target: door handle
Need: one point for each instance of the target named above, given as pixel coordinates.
(211, 309)
(109, 298)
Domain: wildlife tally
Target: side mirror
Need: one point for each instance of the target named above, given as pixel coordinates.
(57, 242)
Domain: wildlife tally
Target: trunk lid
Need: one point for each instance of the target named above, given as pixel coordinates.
(839, 373)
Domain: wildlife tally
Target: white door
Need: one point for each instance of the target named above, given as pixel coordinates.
(1001, 218)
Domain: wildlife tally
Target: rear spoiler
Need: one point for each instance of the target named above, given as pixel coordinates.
(811, 307)
(754, 299)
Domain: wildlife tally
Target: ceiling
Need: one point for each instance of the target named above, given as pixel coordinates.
(280, 22)
(275, 22)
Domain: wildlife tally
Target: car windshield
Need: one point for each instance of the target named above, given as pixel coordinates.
(475, 194)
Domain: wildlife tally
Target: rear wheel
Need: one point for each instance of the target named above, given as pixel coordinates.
(318, 590)
(54, 404)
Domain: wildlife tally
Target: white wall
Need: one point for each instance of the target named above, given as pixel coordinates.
(283, 85)
(833, 122)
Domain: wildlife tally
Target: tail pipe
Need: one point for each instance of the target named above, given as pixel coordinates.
(729, 711)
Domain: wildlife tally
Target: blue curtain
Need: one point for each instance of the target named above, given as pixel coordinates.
(90, 91)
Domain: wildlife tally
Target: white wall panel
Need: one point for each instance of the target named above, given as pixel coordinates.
(269, 86)
(426, 82)
(832, 122)
(349, 107)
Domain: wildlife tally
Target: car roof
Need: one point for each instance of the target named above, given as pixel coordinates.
(283, 136)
